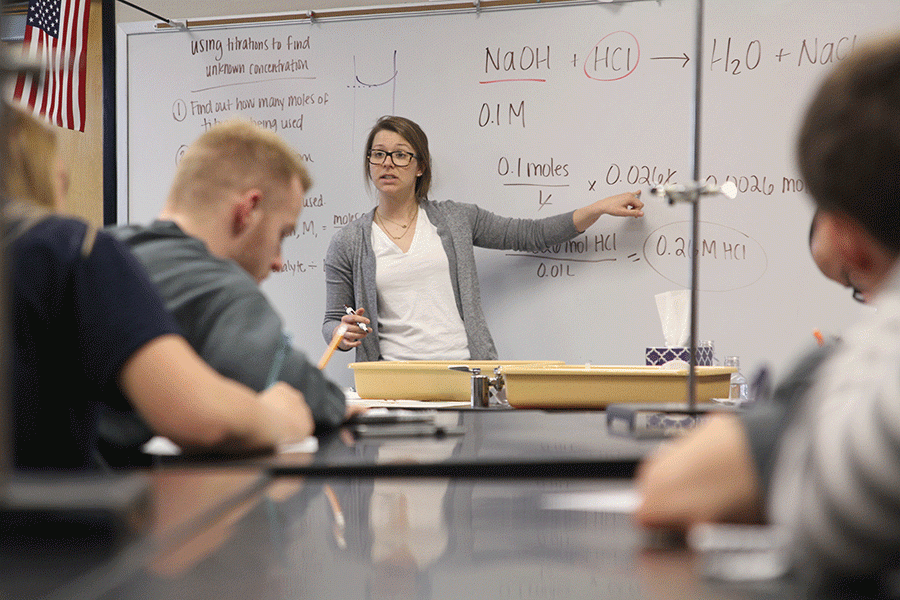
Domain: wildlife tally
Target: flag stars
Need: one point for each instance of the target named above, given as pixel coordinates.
(45, 15)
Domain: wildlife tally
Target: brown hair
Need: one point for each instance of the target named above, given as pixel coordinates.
(416, 138)
(849, 142)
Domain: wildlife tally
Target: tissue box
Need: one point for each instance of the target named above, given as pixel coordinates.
(660, 355)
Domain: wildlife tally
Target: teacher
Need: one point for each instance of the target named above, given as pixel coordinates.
(407, 268)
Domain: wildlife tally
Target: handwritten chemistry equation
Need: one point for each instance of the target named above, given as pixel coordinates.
(618, 54)
(729, 259)
(614, 57)
(246, 60)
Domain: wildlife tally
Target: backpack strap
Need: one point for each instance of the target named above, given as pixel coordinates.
(23, 217)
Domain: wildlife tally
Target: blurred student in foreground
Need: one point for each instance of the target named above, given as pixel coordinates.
(237, 194)
(89, 330)
(832, 478)
(827, 258)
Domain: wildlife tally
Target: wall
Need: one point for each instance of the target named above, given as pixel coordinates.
(83, 151)
(179, 9)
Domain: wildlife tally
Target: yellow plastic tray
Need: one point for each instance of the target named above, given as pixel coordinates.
(596, 386)
(429, 380)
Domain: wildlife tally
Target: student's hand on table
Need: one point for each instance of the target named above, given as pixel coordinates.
(354, 335)
(353, 410)
(289, 414)
(706, 476)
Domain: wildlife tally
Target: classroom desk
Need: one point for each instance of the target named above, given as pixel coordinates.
(82, 557)
(229, 534)
(492, 443)
(431, 538)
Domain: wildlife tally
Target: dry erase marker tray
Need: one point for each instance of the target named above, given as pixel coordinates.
(428, 380)
(596, 386)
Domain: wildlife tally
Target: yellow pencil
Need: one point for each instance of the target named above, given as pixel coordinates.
(339, 523)
(335, 340)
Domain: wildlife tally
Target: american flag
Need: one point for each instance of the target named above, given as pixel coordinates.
(56, 34)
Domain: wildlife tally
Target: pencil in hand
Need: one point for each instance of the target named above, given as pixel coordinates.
(335, 341)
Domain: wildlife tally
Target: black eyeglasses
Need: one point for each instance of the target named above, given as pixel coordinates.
(857, 294)
(398, 157)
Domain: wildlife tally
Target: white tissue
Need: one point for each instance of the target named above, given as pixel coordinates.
(675, 315)
(676, 365)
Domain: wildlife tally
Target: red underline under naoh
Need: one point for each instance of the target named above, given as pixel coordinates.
(505, 80)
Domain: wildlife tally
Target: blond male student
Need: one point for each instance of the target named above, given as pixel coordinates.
(237, 194)
(89, 331)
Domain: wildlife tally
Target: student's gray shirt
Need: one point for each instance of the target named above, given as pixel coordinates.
(766, 421)
(226, 318)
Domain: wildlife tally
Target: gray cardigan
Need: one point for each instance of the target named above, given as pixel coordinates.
(350, 265)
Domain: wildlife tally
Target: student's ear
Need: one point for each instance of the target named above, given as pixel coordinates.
(866, 261)
(848, 241)
(244, 210)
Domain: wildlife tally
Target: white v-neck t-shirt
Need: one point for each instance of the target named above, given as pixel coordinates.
(417, 314)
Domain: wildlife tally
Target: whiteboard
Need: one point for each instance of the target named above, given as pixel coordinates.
(531, 112)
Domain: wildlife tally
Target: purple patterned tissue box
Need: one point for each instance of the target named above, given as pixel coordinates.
(660, 355)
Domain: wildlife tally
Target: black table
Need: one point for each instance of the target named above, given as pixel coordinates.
(490, 444)
(230, 533)
(430, 538)
(83, 552)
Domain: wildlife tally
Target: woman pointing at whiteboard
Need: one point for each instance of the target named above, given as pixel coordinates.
(402, 277)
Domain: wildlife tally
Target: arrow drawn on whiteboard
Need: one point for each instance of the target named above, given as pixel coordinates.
(683, 57)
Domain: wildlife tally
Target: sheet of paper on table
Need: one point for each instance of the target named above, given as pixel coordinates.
(162, 446)
(353, 399)
(619, 500)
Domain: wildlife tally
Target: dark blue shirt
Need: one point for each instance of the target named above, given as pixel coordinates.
(78, 315)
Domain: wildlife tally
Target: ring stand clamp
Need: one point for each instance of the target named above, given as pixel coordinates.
(486, 391)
